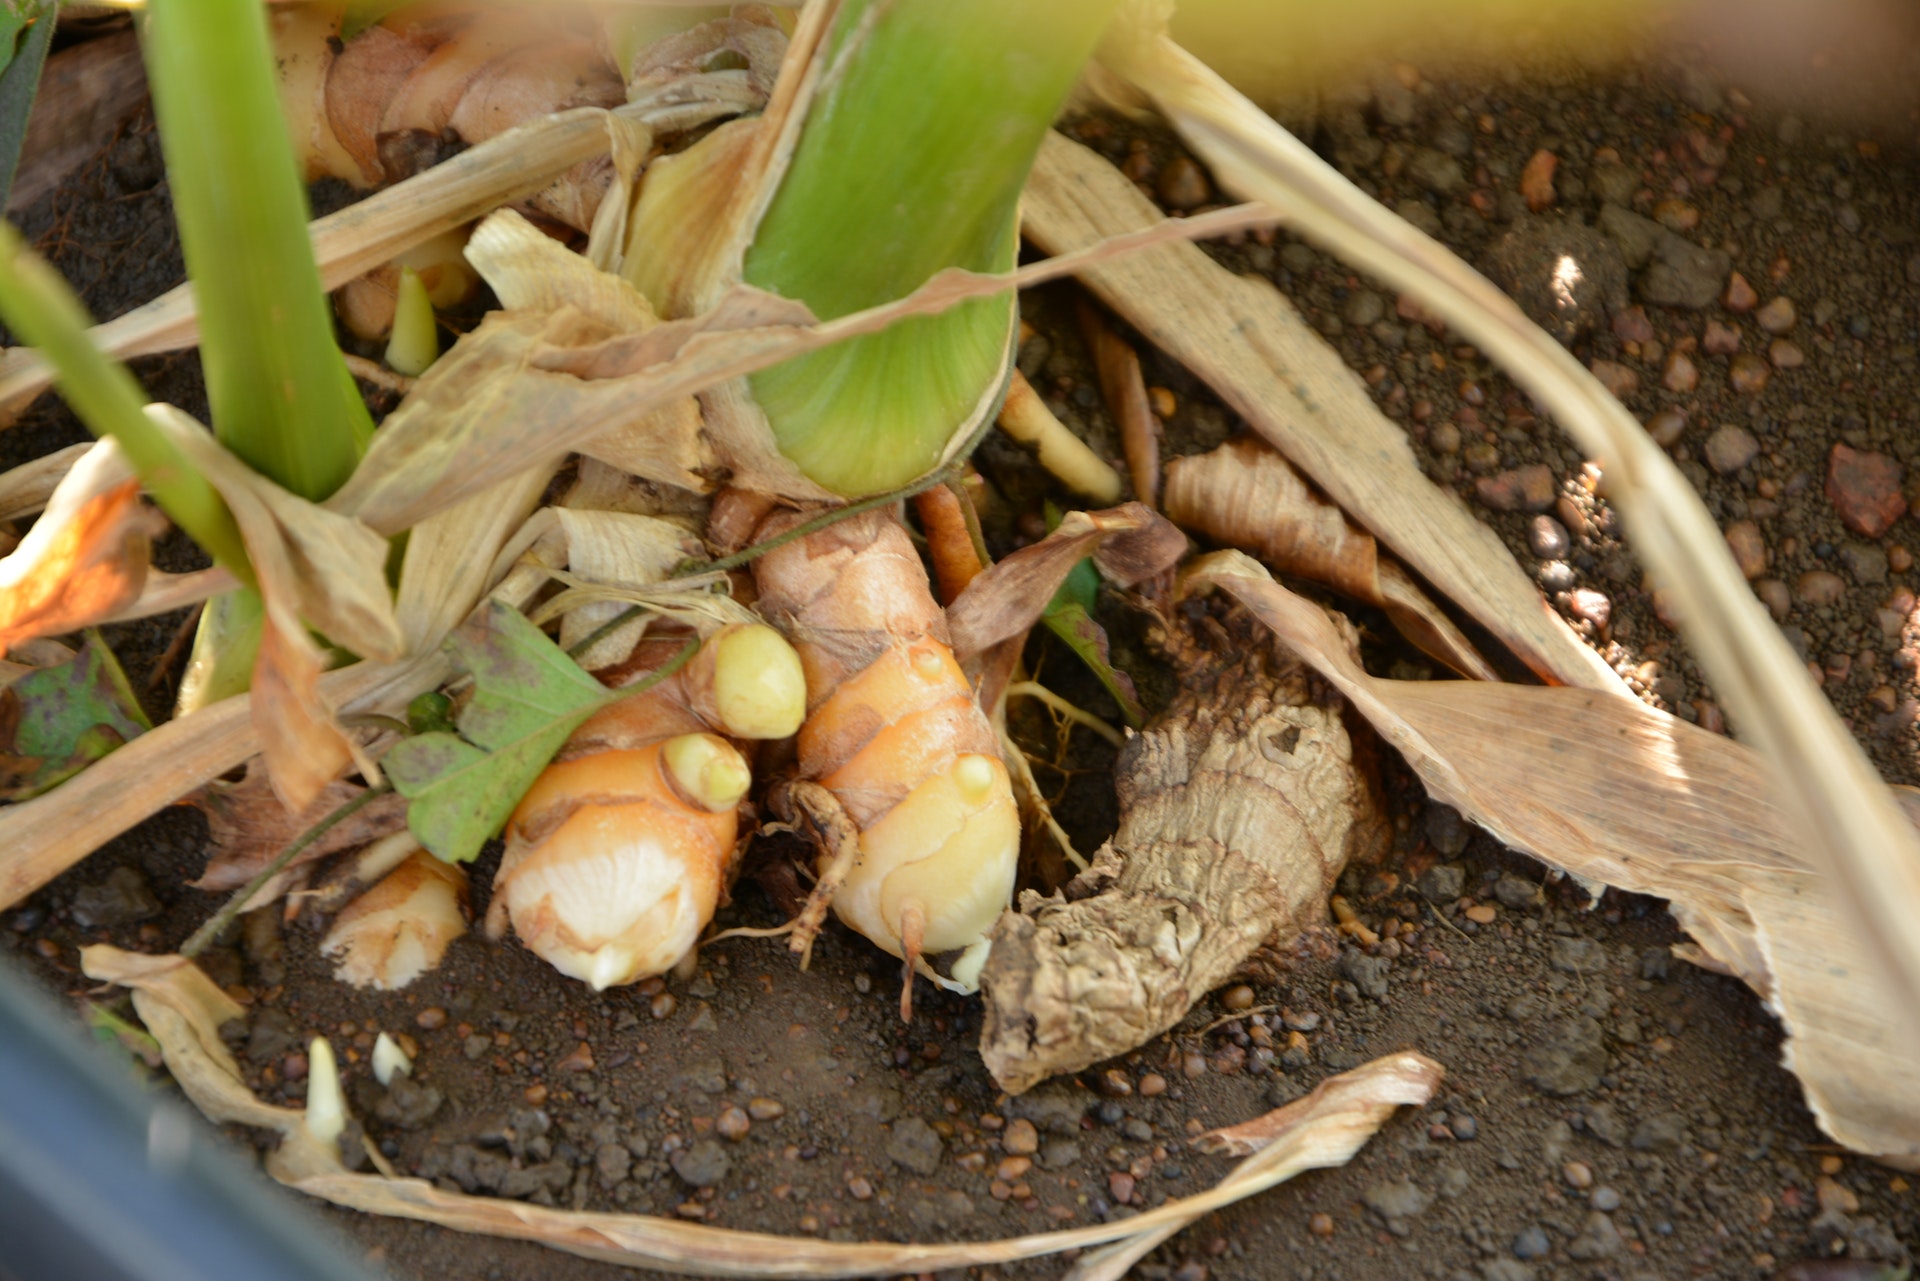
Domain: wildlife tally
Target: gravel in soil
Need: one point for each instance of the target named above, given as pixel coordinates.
(1609, 1111)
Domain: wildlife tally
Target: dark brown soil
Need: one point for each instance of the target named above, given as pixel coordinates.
(1608, 1111)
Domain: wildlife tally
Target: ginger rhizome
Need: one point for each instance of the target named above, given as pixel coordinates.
(895, 734)
(621, 851)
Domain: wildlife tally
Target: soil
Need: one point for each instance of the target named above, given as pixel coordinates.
(1608, 1111)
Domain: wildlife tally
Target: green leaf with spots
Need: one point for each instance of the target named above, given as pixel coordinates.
(527, 697)
(55, 721)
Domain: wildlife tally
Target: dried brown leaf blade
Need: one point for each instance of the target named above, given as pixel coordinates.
(184, 1010)
(1851, 829)
(1129, 544)
(84, 559)
(1250, 345)
(1615, 791)
(248, 827)
(1246, 495)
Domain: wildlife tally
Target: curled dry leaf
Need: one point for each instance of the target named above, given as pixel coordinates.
(184, 1011)
(399, 929)
(1644, 801)
(1250, 345)
(84, 559)
(1240, 805)
(1320, 1131)
(314, 568)
(86, 93)
(1129, 544)
(248, 827)
(1244, 494)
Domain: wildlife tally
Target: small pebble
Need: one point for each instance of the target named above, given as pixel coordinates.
(1740, 296)
(1012, 1168)
(1321, 1225)
(1618, 379)
(1605, 1200)
(1719, 339)
(431, 1018)
(1777, 317)
(860, 1188)
(1578, 1174)
(1524, 489)
(664, 1005)
(1666, 427)
(732, 1124)
(1864, 489)
(1532, 1243)
(1236, 998)
(1592, 606)
(1193, 1065)
(1681, 375)
(1819, 587)
(1482, 913)
(1021, 1138)
(1152, 1085)
(1547, 538)
(765, 1109)
(1183, 184)
(1464, 1128)
(1777, 598)
(1749, 548)
(1114, 1083)
(1786, 354)
(1536, 180)
(1120, 1187)
(1730, 448)
(1748, 374)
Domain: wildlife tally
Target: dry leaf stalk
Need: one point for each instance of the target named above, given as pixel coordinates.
(184, 1010)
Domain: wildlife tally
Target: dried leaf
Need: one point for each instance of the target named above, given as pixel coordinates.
(527, 697)
(1244, 494)
(87, 91)
(1129, 544)
(1850, 828)
(26, 489)
(314, 568)
(1250, 345)
(1612, 790)
(184, 1011)
(55, 721)
(248, 827)
(84, 559)
(43, 837)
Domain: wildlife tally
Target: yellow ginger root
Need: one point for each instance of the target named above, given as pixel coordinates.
(620, 852)
(895, 734)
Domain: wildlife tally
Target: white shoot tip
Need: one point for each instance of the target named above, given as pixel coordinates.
(326, 1103)
(388, 1059)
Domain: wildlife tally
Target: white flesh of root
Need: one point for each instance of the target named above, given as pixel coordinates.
(615, 861)
(399, 929)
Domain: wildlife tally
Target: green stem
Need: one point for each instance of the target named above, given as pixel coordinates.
(911, 160)
(41, 310)
(280, 395)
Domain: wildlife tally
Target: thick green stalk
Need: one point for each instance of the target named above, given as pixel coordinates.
(910, 161)
(280, 394)
(41, 310)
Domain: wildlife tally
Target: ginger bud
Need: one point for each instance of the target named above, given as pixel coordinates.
(615, 860)
(399, 929)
